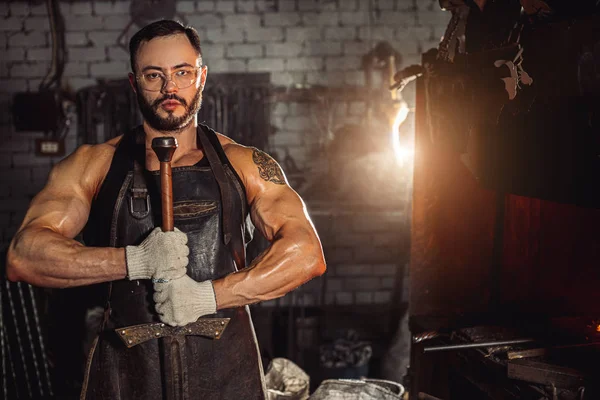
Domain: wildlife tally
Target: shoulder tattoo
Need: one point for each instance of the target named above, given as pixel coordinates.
(268, 168)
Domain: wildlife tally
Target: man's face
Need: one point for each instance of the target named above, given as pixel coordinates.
(170, 109)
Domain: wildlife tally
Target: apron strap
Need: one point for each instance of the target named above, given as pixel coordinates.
(232, 236)
(128, 146)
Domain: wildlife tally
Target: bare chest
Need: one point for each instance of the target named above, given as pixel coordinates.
(179, 160)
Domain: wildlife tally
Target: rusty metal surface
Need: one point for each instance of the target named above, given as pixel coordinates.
(209, 327)
(530, 353)
(545, 374)
(553, 351)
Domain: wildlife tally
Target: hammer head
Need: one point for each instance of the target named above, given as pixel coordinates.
(164, 147)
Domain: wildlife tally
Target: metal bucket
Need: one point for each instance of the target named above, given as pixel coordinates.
(354, 389)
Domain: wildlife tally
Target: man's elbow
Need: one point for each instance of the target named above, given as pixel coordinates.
(14, 266)
(318, 266)
(19, 269)
(313, 250)
(318, 269)
(17, 265)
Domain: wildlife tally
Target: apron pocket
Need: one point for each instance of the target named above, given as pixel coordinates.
(189, 209)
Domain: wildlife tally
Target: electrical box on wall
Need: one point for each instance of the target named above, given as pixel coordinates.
(50, 147)
(36, 111)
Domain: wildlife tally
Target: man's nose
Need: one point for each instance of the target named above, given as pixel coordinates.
(170, 87)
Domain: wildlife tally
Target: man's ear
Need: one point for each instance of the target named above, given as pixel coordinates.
(132, 82)
(203, 73)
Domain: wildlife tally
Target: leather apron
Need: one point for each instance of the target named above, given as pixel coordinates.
(125, 211)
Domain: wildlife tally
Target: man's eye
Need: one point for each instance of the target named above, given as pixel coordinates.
(182, 72)
(153, 76)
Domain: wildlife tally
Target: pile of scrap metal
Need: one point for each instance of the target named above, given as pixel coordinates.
(346, 352)
(286, 380)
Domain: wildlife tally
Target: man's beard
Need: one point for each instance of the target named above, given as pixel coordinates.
(170, 123)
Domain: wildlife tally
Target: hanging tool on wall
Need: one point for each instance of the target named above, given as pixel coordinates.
(382, 58)
(47, 109)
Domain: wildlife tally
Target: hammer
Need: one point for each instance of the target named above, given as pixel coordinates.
(175, 356)
(176, 369)
(165, 147)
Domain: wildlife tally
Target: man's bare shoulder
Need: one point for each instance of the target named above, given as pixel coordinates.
(236, 153)
(252, 164)
(91, 155)
(233, 148)
(87, 165)
(225, 140)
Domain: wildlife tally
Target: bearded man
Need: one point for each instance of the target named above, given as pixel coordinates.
(162, 286)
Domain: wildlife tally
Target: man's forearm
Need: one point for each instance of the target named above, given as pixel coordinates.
(45, 258)
(284, 266)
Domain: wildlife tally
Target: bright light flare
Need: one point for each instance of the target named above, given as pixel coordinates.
(404, 152)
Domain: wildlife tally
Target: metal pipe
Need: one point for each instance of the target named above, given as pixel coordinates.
(36, 366)
(18, 335)
(11, 365)
(476, 345)
(42, 347)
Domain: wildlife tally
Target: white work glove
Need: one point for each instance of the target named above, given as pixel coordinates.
(184, 300)
(162, 256)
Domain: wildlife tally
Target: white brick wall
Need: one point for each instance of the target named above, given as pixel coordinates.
(27, 39)
(245, 51)
(306, 42)
(282, 19)
(259, 34)
(287, 50)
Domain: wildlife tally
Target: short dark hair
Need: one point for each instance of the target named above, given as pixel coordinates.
(163, 27)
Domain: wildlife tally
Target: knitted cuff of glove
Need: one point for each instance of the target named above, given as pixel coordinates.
(204, 298)
(137, 264)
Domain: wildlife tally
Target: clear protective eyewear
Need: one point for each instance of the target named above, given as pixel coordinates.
(155, 81)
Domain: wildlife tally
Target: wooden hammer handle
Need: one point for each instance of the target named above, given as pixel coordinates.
(166, 196)
(164, 147)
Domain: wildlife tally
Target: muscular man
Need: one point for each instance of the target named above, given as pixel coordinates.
(110, 192)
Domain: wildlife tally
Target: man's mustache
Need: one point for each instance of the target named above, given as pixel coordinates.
(157, 102)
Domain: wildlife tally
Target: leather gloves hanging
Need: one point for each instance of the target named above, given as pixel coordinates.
(162, 256)
(184, 300)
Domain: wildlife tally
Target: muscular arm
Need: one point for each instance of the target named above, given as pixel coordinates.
(294, 256)
(43, 251)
